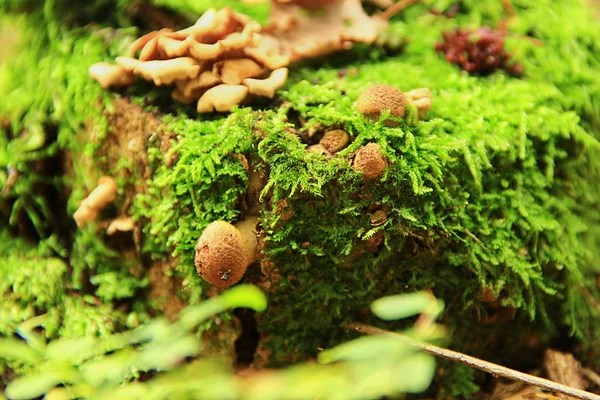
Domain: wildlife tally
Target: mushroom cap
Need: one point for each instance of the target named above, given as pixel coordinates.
(234, 71)
(370, 161)
(221, 257)
(222, 98)
(110, 75)
(267, 87)
(379, 98)
(335, 140)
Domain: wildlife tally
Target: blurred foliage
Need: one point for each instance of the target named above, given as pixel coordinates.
(117, 366)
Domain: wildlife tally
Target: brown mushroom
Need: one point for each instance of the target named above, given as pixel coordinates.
(319, 149)
(224, 251)
(222, 98)
(267, 87)
(370, 161)
(380, 98)
(110, 75)
(335, 140)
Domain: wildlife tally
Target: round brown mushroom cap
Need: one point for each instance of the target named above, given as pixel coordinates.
(370, 161)
(221, 258)
(335, 140)
(379, 98)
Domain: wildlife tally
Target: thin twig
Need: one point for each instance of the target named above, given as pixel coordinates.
(397, 7)
(494, 369)
(591, 376)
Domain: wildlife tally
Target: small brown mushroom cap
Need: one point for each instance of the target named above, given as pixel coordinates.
(370, 161)
(110, 75)
(224, 251)
(222, 98)
(335, 140)
(319, 149)
(380, 98)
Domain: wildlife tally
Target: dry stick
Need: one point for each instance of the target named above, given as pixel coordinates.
(397, 7)
(590, 376)
(494, 369)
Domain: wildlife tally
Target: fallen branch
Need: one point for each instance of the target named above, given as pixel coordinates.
(494, 369)
(397, 7)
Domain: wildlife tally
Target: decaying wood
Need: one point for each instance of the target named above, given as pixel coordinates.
(563, 368)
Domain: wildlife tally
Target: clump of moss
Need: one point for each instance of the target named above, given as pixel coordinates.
(494, 191)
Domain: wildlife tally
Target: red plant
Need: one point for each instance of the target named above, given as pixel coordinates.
(479, 52)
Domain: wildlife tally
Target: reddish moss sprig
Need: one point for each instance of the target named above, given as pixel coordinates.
(479, 52)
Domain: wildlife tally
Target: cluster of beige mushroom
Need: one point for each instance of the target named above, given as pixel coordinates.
(220, 61)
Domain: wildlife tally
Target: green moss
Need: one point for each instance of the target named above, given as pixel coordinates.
(496, 188)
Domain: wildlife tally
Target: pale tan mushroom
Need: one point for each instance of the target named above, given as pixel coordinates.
(142, 41)
(128, 63)
(233, 72)
(203, 51)
(98, 199)
(120, 224)
(164, 72)
(205, 24)
(173, 48)
(110, 75)
(268, 52)
(180, 96)
(205, 80)
(150, 50)
(267, 87)
(222, 98)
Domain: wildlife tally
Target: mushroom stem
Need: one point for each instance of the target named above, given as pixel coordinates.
(247, 229)
(256, 183)
(98, 199)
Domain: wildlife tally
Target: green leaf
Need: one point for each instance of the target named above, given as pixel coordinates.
(415, 373)
(368, 348)
(32, 386)
(14, 349)
(247, 296)
(405, 305)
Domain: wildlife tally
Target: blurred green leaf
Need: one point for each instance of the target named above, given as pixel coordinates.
(415, 373)
(168, 354)
(246, 296)
(368, 348)
(405, 305)
(14, 349)
(32, 386)
(110, 369)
